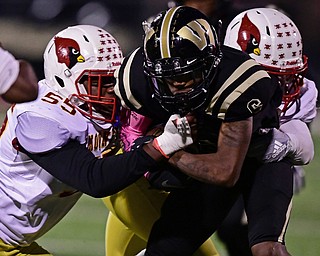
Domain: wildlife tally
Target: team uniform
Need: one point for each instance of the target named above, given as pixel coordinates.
(303, 110)
(279, 49)
(133, 211)
(57, 147)
(186, 72)
(242, 89)
(296, 119)
(9, 70)
(32, 200)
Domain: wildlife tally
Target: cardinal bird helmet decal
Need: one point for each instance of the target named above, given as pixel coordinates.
(274, 41)
(68, 51)
(249, 36)
(79, 63)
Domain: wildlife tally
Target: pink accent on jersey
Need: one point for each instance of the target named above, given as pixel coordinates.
(134, 126)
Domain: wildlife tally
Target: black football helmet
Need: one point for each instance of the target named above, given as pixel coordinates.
(181, 44)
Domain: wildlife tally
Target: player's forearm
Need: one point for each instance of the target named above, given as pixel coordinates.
(76, 166)
(25, 88)
(207, 168)
(224, 166)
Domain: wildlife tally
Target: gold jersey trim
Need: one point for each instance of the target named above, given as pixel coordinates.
(241, 88)
(126, 84)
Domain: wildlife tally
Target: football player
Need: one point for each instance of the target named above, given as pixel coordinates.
(134, 210)
(235, 102)
(18, 81)
(273, 40)
(61, 144)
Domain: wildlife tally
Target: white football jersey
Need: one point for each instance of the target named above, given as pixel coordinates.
(32, 200)
(307, 111)
(9, 70)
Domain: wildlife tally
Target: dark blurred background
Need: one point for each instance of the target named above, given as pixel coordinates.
(27, 25)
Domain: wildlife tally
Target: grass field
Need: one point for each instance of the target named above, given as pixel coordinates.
(81, 232)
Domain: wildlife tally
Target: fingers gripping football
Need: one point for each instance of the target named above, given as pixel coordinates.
(177, 135)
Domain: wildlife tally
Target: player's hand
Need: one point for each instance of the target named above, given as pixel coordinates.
(278, 148)
(139, 142)
(192, 120)
(177, 135)
(167, 178)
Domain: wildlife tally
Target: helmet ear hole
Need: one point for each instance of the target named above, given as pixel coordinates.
(60, 81)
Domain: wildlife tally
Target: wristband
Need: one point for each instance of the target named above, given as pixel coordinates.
(157, 147)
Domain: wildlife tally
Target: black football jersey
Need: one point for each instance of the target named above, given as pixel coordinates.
(240, 89)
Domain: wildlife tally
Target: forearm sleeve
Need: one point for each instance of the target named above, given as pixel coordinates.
(302, 151)
(76, 166)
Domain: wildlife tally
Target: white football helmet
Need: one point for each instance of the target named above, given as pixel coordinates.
(274, 41)
(79, 63)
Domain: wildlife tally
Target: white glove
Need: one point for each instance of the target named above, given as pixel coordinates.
(176, 136)
(278, 148)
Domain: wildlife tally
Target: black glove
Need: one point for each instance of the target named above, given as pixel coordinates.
(141, 141)
(168, 178)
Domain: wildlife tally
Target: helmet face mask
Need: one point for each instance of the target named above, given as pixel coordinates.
(180, 100)
(274, 41)
(79, 64)
(95, 98)
(291, 84)
(181, 45)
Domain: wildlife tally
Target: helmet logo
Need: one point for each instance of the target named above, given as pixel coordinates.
(198, 32)
(68, 51)
(249, 36)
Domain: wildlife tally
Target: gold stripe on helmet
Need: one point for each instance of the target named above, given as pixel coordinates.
(197, 32)
(165, 33)
(149, 34)
(212, 35)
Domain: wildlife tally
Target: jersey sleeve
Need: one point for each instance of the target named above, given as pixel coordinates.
(76, 166)
(260, 95)
(242, 88)
(40, 134)
(129, 74)
(133, 126)
(9, 70)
